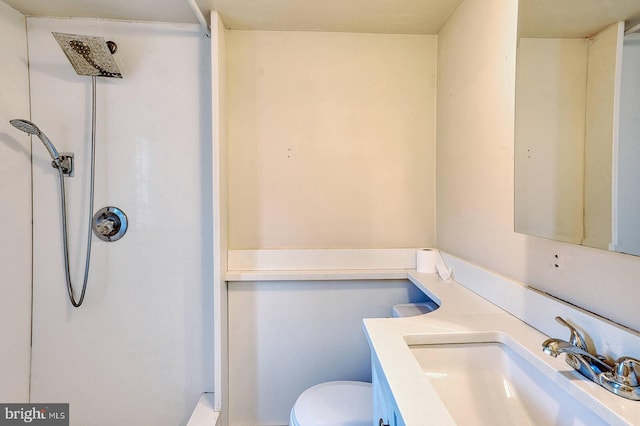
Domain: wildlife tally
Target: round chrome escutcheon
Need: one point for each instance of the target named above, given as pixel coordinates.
(110, 223)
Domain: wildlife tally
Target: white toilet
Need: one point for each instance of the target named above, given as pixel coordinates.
(343, 403)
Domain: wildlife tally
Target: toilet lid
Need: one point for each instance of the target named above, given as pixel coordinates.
(335, 403)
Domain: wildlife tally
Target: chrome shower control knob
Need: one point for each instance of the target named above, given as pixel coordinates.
(110, 224)
(106, 226)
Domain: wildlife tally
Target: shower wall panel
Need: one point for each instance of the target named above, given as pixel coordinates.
(140, 348)
(15, 211)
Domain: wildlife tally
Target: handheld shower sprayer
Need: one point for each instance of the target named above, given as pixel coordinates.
(91, 56)
(30, 128)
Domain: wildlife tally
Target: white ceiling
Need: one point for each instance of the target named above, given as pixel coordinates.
(375, 16)
(369, 16)
(135, 10)
(573, 18)
(559, 18)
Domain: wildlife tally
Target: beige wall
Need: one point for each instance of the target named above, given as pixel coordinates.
(476, 79)
(331, 140)
(551, 88)
(15, 214)
(564, 131)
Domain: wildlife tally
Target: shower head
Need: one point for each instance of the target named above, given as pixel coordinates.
(30, 128)
(89, 55)
(25, 126)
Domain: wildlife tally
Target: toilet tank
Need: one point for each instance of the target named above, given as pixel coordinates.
(413, 309)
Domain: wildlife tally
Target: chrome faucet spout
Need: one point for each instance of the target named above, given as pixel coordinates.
(587, 364)
(622, 378)
(555, 347)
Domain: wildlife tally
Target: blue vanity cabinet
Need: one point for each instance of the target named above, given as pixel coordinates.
(385, 411)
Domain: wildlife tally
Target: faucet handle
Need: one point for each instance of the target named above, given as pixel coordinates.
(623, 378)
(575, 339)
(624, 371)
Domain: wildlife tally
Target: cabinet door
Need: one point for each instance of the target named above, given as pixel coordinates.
(385, 412)
(381, 409)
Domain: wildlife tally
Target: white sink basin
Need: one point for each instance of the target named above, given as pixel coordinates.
(487, 383)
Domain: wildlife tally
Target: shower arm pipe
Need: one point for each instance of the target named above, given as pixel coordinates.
(199, 16)
(65, 241)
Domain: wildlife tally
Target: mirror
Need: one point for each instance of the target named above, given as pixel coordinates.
(577, 126)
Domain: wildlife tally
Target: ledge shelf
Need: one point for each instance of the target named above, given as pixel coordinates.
(317, 275)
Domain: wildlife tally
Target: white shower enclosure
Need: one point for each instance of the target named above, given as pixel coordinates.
(140, 348)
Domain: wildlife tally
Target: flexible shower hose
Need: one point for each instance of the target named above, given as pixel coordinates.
(64, 209)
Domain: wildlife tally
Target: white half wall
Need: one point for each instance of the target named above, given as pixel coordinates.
(140, 348)
(15, 214)
(285, 337)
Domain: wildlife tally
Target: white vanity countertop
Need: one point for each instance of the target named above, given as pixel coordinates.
(462, 312)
